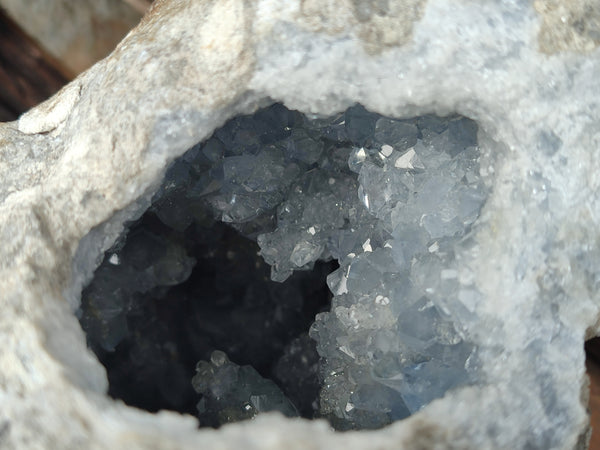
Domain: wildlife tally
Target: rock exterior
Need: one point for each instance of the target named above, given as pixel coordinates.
(524, 276)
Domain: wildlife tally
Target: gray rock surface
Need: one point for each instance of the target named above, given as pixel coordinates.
(76, 167)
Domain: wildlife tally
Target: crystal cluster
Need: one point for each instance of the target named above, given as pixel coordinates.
(231, 393)
(131, 271)
(387, 199)
(391, 342)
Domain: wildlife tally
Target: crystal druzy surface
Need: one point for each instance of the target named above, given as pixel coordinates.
(231, 393)
(387, 199)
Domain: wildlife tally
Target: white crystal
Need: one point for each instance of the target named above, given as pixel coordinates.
(367, 246)
(405, 161)
(305, 252)
(387, 150)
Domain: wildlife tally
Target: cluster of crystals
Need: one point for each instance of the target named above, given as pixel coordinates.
(388, 199)
(231, 393)
(390, 344)
(242, 173)
(131, 270)
(150, 333)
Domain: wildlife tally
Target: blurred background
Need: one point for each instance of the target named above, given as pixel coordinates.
(46, 43)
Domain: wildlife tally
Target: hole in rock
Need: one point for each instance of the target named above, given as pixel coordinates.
(175, 297)
(204, 305)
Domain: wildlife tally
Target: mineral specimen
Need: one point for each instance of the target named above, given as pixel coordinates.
(386, 198)
(523, 278)
(231, 393)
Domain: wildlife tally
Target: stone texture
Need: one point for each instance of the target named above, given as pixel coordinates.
(571, 26)
(75, 168)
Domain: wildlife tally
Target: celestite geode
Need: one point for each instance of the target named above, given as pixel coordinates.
(79, 166)
(388, 200)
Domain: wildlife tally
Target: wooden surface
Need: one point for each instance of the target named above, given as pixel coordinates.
(592, 349)
(28, 75)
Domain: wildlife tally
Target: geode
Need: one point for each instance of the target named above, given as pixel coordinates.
(388, 200)
(513, 281)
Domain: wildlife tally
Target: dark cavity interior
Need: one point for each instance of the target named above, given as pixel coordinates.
(150, 342)
(183, 312)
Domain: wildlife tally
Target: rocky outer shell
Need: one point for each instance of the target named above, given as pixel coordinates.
(74, 168)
